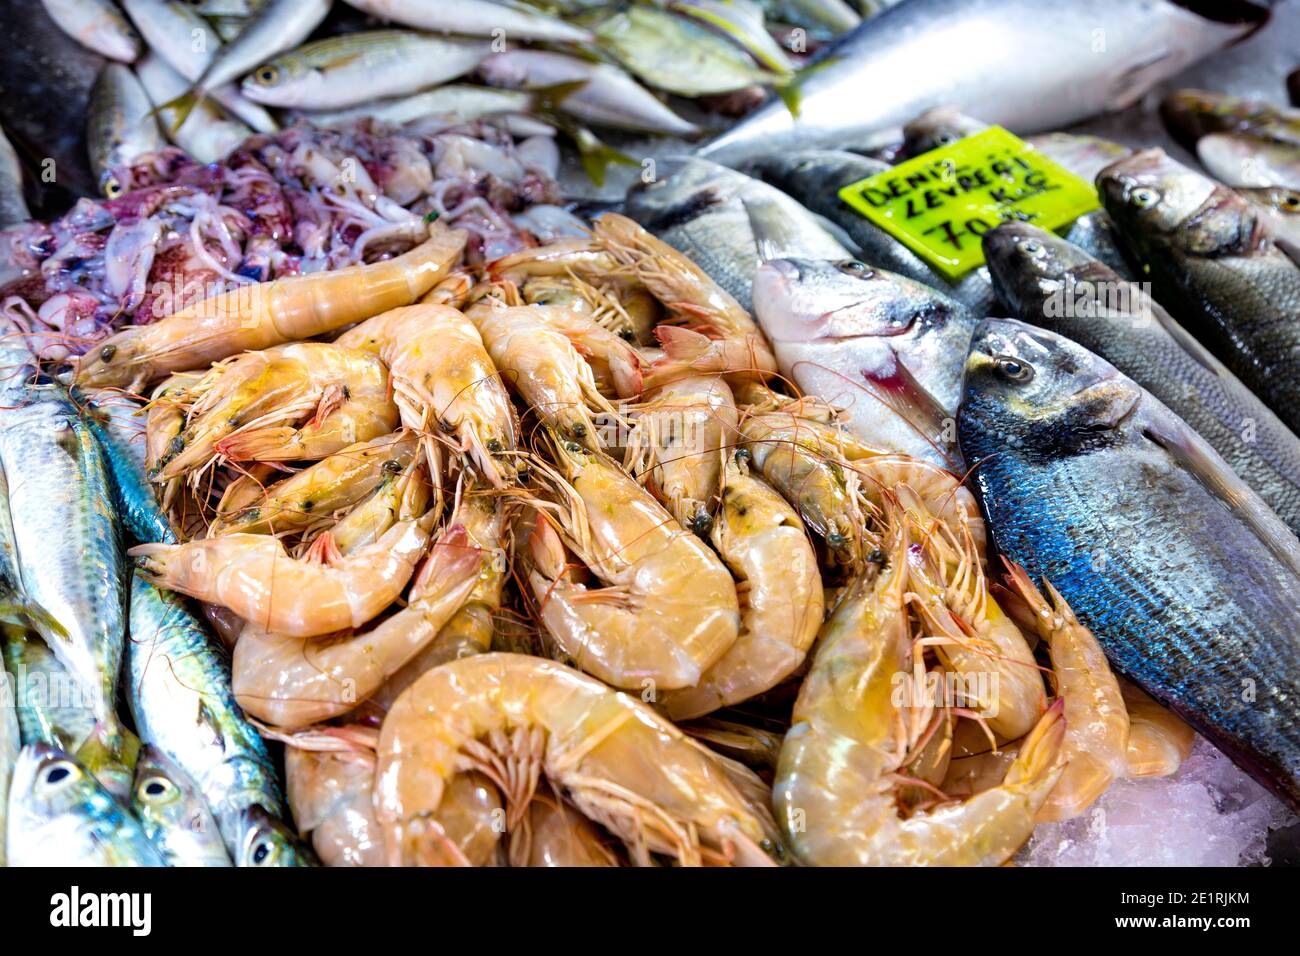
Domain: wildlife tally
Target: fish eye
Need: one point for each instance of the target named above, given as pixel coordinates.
(943, 139)
(1032, 247)
(1143, 197)
(264, 852)
(267, 75)
(1292, 201)
(112, 187)
(1012, 369)
(155, 788)
(852, 267)
(58, 774)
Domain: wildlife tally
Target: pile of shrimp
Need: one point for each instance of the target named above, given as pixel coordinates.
(174, 231)
(539, 562)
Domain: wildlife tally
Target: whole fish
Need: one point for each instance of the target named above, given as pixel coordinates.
(50, 706)
(1239, 160)
(742, 22)
(280, 25)
(208, 133)
(185, 42)
(70, 563)
(120, 125)
(454, 104)
(1191, 114)
(60, 816)
(1213, 263)
(1185, 576)
(13, 205)
(814, 178)
(118, 423)
(483, 18)
(1049, 283)
(598, 93)
(354, 68)
(173, 814)
(700, 209)
(1002, 60)
(678, 54)
(97, 25)
(887, 349)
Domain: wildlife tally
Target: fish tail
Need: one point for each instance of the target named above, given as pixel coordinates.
(181, 107)
(597, 156)
(109, 752)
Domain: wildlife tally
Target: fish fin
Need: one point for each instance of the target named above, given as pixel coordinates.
(182, 106)
(1129, 86)
(110, 754)
(549, 99)
(907, 398)
(597, 156)
(791, 91)
(1196, 457)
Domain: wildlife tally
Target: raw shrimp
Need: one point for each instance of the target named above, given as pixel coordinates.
(329, 791)
(443, 379)
(1096, 721)
(517, 719)
(563, 258)
(930, 490)
(836, 780)
(629, 312)
(292, 683)
(322, 593)
(538, 350)
(1158, 739)
(292, 402)
(669, 609)
(397, 494)
(163, 424)
(552, 834)
(794, 458)
(336, 483)
(779, 586)
(681, 428)
(262, 314)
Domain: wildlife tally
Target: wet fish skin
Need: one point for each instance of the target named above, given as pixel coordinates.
(10, 743)
(827, 18)
(118, 424)
(1214, 265)
(699, 208)
(277, 26)
(120, 125)
(13, 204)
(60, 816)
(928, 53)
(173, 814)
(1186, 578)
(814, 178)
(51, 707)
(1236, 159)
(343, 71)
(1191, 114)
(474, 18)
(97, 25)
(1049, 283)
(884, 347)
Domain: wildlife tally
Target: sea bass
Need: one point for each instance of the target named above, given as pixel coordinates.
(886, 349)
(1049, 283)
(1012, 63)
(1186, 577)
(704, 210)
(1214, 264)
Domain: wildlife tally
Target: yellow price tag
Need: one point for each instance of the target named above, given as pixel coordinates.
(939, 204)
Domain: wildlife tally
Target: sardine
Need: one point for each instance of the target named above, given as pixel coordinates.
(1214, 264)
(13, 204)
(1185, 576)
(482, 18)
(598, 93)
(883, 347)
(97, 25)
(60, 816)
(1051, 284)
(173, 814)
(208, 133)
(118, 423)
(347, 70)
(1009, 62)
(699, 208)
(120, 125)
(1239, 160)
(186, 43)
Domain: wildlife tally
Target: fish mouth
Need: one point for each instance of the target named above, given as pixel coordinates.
(1229, 12)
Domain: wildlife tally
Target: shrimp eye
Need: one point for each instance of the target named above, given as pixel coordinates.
(702, 522)
(1012, 369)
(1032, 247)
(107, 352)
(58, 774)
(1144, 198)
(852, 267)
(267, 75)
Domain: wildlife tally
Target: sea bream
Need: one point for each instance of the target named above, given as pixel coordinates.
(1013, 63)
(1188, 580)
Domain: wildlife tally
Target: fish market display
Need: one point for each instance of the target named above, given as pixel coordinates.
(480, 434)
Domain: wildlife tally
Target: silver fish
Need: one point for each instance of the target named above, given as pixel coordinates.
(120, 124)
(1001, 60)
(97, 25)
(453, 104)
(1049, 283)
(185, 42)
(208, 133)
(59, 816)
(173, 814)
(13, 205)
(699, 208)
(1186, 577)
(883, 347)
(1240, 160)
(347, 70)
(483, 18)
